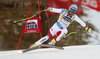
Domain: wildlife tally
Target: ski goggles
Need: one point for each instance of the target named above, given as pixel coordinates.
(72, 10)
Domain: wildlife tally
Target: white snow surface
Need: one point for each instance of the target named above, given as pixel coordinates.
(92, 17)
(69, 52)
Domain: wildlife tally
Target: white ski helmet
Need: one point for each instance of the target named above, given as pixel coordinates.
(73, 8)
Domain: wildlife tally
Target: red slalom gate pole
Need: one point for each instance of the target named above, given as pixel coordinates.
(39, 16)
(23, 28)
(39, 8)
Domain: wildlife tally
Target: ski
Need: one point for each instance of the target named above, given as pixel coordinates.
(29, 49)
(52, 46)
(39, 47)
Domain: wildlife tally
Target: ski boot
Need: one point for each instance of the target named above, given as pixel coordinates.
(52, 42)
(33, 45)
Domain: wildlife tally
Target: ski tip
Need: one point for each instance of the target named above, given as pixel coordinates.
(20, 51)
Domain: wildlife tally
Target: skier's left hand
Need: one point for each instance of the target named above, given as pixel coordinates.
(49, 9)
(88, 29)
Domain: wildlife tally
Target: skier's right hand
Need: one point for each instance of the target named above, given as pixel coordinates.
(88, 29)
(49, 9)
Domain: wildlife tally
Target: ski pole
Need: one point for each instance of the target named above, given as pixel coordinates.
(72, 33)
(69, 34)
(30, 17)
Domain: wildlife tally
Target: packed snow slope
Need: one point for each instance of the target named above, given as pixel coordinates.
(69, 52)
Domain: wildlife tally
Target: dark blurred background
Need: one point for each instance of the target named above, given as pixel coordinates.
(10, 32)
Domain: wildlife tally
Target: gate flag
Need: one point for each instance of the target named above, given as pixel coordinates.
(32, 25)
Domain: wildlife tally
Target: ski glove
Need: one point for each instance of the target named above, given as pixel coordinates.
(49, 9)
(88, 29)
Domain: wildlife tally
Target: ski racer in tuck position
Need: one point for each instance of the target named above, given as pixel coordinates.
(59, 28)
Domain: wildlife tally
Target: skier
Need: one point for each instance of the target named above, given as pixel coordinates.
(59, 28)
